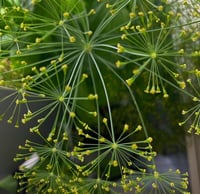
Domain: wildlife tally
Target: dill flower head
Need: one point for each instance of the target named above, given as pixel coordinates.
(156, 46)
(47, 168)
(191, 114)
(155, 182)
(73, 58)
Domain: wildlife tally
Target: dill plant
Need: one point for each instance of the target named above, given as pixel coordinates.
(81, 59)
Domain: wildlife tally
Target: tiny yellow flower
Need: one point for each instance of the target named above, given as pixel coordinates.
(141, 13)
(115, 163)
(66, 14)
(92, 96)
(182, 84)
(123, 36)
(195, 99)
(181, 51)
(130, 81)
(184, 112)
(132, 15)
(139, 128)
(126, 127)
(149, 139)
(134, 146)
(105, 120)
(92, 12)
(72, 39)
(156, 174)
(43, 69)
(120, 48)
(89, 33)
(118, 63)
(72, 114)
(154, 185)
(102, 140)
(160, 8)
(38, 40)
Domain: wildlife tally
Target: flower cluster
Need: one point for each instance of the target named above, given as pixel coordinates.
(155, 46)
(68, 64)
(192, 114)
(154, 182)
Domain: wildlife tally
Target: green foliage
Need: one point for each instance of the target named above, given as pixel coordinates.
(8, 183)
(97, 68)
